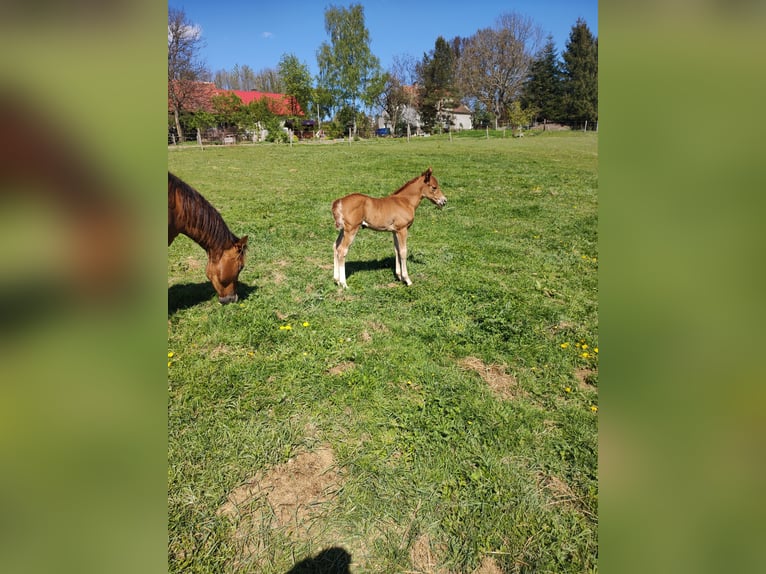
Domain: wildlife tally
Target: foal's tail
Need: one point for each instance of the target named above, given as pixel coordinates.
(337, 213)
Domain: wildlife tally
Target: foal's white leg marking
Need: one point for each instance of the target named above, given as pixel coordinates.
(342, 244)
(400, 240)
(335, 261)
(398, 268)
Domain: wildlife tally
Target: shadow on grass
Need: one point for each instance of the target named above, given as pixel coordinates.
(377, 264)
(372, 265)
(185, 295)
(331, 561)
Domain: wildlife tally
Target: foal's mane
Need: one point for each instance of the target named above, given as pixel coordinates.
(198, 219)
(408, 183)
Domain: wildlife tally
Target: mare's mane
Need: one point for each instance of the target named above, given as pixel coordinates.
(198, 219)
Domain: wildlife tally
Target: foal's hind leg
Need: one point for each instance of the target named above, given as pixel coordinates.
(344, 241)
(336, 262)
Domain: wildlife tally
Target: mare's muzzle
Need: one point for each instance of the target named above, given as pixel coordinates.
(228, 299)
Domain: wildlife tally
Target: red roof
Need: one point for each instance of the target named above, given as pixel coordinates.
(280, 104)
(201, 93)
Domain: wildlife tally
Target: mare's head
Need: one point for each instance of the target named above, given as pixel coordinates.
(430, 188)
(224, 272)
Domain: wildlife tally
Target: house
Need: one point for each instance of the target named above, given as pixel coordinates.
(458, 118)
(279, 104)
(200, 95)
(451, 116)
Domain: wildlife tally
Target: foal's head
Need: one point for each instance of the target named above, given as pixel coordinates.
(224, 272)
(430, 188)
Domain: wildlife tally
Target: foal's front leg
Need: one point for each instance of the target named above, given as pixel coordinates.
(400, 247)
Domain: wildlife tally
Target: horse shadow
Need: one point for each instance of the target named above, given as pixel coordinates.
(330, 561)
(185, 295)
(377, 264)
(370, 265)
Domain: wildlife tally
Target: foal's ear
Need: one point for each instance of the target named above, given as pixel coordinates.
(427, 174)
(242, 243)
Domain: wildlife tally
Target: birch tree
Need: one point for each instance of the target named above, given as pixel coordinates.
(347, 68)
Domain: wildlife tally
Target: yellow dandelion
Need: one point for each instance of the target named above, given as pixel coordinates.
(594, 408)
(595, 350)
(585, 347)
(564, 345)
(568, 389)
(170, 354)
(585, 355)
(305, 323)
(169, 363)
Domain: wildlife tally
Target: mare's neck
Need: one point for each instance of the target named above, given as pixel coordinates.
(211, 233)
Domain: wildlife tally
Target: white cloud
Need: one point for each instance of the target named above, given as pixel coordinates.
(267, 35)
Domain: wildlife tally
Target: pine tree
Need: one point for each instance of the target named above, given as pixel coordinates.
(436, 73)
(581, 75)
(542, 90)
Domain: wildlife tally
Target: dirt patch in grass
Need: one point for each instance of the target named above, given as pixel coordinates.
(584, 379)
(560, 493)
(291, 497)
(193, 264)
(488, 566)
(503, 385)
(425, 556)
(341, 368)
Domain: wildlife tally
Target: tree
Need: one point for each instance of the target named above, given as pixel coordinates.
(436, 73)
(542, 90)
(297, 81)
(518, 117)
(581, 74)
(269, 80)
(239, 78)
(185, 70)
(392, 99)
(227, 108)
(347, 67)
(495, 62)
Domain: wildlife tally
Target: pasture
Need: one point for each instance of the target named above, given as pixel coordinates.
(448, 426)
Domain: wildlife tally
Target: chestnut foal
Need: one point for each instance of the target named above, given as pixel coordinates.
(394, 213)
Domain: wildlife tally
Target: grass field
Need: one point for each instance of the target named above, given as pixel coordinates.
(450, 426)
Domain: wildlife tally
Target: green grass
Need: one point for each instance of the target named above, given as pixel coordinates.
(433, 460)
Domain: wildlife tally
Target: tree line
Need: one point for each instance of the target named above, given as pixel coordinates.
(508, 74)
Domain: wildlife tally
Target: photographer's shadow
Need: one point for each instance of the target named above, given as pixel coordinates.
(331, 561)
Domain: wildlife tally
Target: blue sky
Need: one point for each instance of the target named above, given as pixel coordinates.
(257, 33)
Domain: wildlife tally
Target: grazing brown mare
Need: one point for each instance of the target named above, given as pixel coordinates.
(191, 214)
(394, 213)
